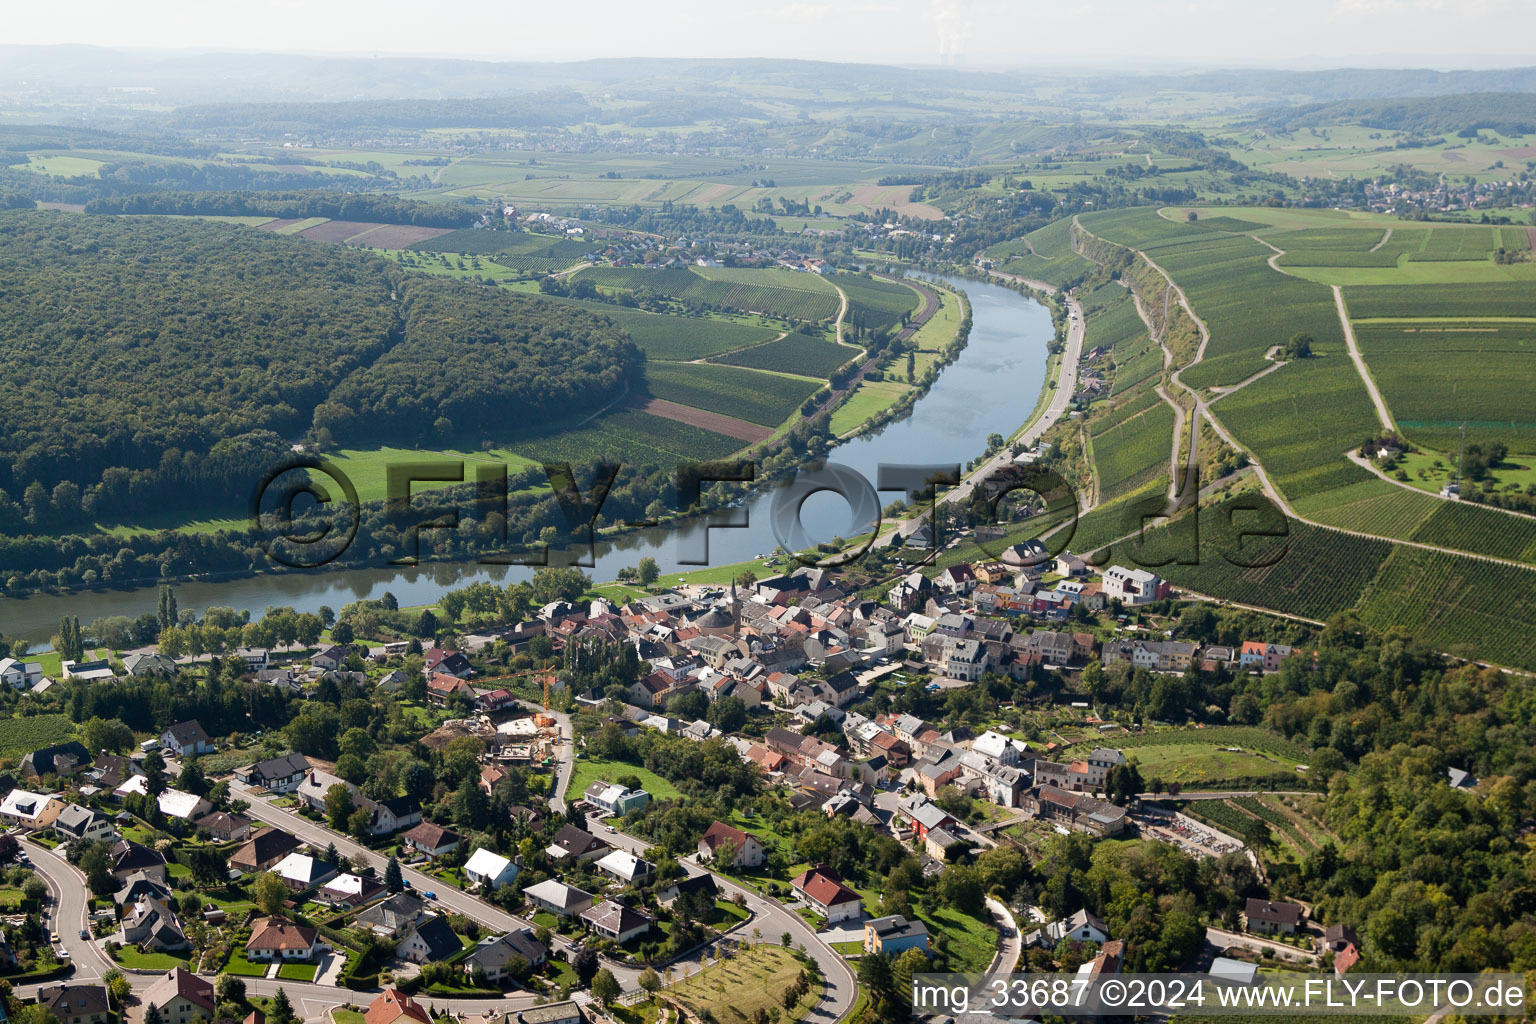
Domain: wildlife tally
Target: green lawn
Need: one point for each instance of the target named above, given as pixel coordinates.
(239, 965)
(128, 956)
(972, 941)
(297, 972)
(591, 769)
(347, 1017)
(872, 396)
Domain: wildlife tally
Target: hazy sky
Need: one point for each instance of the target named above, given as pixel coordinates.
(1442, 33)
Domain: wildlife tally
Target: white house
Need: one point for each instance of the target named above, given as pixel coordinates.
(1133, 586)
(176, 803)
(626, 867)
(489, 870)
(30, 810)
(997, 747)
(187, 738)
(20, 675)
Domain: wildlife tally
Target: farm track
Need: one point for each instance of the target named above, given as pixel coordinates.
(1385, 239)
(1387, 422)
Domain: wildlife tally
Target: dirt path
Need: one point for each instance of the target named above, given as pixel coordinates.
(1384, 239)
(1382, 413)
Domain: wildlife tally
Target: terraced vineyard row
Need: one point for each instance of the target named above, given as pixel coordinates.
(1457, 604)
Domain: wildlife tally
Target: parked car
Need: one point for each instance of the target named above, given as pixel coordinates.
(84, 934)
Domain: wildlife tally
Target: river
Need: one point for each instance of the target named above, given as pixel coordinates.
(991, 387)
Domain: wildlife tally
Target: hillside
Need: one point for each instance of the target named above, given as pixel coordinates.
(185, 351)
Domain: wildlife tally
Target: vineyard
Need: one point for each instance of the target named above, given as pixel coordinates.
(1448, 245)
(1457, 604)
(679, 338)
(1316, 572)
(1044, 255)
(1453, 301)
(1442, 374)
(796, 353)
(1483, 531)
(1244, 736)
(631, 437)
(763, 398)
(21, 736)
(1371, 505)
(1300, 420)
(875, 304)
(1247, 305)
(805, 301)
(1130, 451)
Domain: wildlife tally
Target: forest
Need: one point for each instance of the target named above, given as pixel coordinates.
(189, 352)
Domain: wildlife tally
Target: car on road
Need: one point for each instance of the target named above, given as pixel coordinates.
(85, 934)
(62, 953)
(610, 828)
(429, 895)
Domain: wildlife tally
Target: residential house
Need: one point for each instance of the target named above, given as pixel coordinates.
(394, 917)
(76, 1004)
(997, 747)
(550, 1013)
(430, 941)
(395, 1007)
(88, 671)
(450, 663)
(19, 675)
(442, 688)
(76, 823)
(275, 938)
(228, 828)
(497, 957)
(966, 660)
(153, 927)
(704, 883)
(822, 888)
(331, 657)
(350, 890)
(60, 759)
(893, 934)
(925, 816)
(1268, 917)
(1082, 926)
(431, 840)
(141, 665)
(730, 846)
(1077, 810)
(187, 739)
(129, 858)
(1264, 657)
(31, 811)
(300, 871)
(1134, 586)
(275, 775)
(264, 849)
(178, 803)
(625, 867)
(489, 870)
(558, 898)
(571, 841)
(617, 921)
(495, 700)
(615, 799)
(182, 997)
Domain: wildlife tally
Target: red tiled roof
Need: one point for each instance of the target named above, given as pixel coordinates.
(391, 1005)
(823, 886)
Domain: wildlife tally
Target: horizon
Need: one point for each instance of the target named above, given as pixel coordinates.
(1311, 34)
